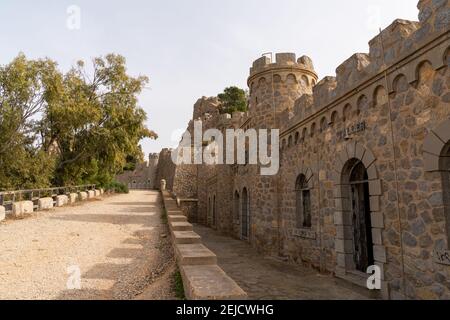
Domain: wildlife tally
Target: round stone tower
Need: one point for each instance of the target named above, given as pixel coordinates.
(153, 159)
(275, 86)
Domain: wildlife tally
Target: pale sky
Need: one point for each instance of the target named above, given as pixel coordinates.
(193, 48)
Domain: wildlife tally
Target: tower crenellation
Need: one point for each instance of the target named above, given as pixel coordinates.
(276, 85)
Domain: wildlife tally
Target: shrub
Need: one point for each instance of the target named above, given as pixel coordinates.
(117, 187)
(178, 286)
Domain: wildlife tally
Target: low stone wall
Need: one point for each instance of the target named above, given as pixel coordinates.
(203, 279)
(21, 208)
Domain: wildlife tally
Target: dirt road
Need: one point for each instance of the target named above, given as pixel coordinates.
(113, 248)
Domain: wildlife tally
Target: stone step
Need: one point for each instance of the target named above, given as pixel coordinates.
(170, 202)
(174, 212)
(210, 282)
(181, 226)
(356, 278)
(186, 237)
(194, 255)
(357, 281)
(177, 218)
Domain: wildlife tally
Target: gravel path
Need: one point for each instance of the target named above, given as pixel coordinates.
(118, 243)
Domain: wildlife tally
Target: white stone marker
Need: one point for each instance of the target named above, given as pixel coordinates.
(91, 194)
(2, 213)
(83, 196)
(62, 200)
(22, 207)
(73, 197)
(45, 203)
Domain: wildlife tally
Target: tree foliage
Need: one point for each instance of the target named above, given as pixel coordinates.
(233, 99)
(68, 128)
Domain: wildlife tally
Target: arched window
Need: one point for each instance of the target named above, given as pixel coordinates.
(304, 134)
(245, 215)
(334, 118)
(347, 112)
(236, 206)
(361, 220)
(297, 137)
(323, 124)
(303, 202)
(313, 130)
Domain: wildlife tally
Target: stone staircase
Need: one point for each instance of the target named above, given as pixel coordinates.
(203, 279)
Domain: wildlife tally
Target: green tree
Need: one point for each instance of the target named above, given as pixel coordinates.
(233, 99)
(66, 129)
(95, 121)
(24, 87)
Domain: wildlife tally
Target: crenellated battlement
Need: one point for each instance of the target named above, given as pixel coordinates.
(389, 52)
(283, 62)
(292, 84)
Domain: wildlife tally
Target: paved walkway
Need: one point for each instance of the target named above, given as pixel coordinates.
(115, 242)
(264, 278)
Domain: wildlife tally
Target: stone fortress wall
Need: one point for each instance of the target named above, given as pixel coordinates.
(144, 176)
(368, 149)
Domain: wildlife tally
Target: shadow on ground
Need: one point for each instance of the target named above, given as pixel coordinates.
(144, 264)
(107, 218)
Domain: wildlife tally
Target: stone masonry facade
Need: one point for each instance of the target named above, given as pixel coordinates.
(364, 173)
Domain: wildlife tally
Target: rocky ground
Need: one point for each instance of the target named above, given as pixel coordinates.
(119, 244)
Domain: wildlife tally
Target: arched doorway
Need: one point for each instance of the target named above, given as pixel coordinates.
(236, 206)
(436, 152)
(445, 173)
(359, 207)
(214, 222)
(208, 212)
(245, 215)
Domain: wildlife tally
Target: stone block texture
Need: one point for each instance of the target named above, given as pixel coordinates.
(373, 139)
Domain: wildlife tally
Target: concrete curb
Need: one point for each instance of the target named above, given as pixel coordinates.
(202, 278)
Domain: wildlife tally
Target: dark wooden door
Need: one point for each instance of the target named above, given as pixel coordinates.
(362, 229)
